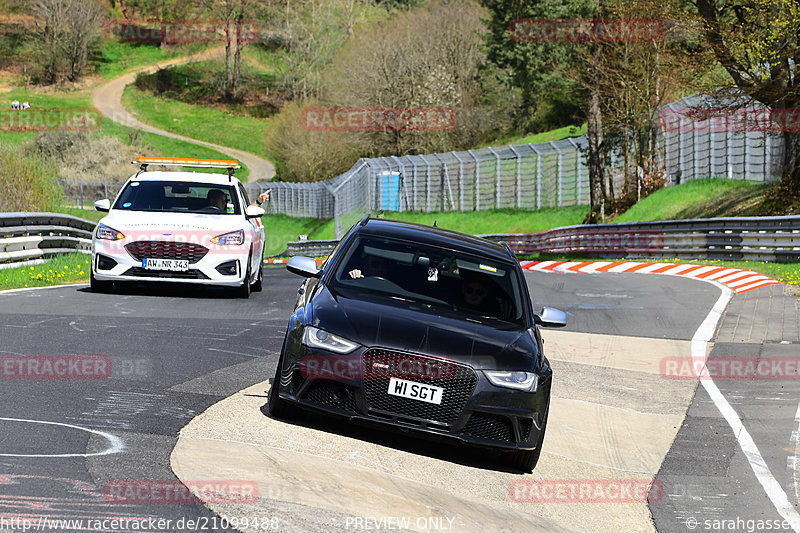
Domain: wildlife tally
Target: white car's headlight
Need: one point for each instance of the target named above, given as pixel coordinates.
(319, 338)
(234, 238)
(108, 233)
(524, 381)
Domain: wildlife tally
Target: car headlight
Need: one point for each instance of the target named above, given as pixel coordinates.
(524, 381)
(319, 338)
(108, 233)
(234, 238)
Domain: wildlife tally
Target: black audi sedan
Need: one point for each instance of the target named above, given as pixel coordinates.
(420, 329)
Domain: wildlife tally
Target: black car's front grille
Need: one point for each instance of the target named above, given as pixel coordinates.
(185, 251)
(140, 272)
(489, 427)
(457, 380)
(331, 394)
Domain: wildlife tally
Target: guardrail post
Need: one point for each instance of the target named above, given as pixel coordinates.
(538, 176)
(81, 195)
(560, 166)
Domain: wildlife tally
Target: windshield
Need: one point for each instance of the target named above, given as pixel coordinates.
(179, 197)
(468, 286)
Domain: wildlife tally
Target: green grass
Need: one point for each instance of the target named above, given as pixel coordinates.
(211, 124)
(483, 222)
(159, 145)
(67, 268)
(702, 198)
(167, 147)
(281, 229)
(545, 136)
(117, 58)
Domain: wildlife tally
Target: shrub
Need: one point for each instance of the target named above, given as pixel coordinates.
(27, 182)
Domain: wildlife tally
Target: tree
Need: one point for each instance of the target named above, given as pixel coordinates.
(64, 33)
(233, 14)
(539, 69)
(758, 44)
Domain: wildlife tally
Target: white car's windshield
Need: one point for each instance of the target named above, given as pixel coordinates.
(179, 197)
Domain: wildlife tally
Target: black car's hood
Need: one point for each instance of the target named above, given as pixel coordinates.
(411, 328)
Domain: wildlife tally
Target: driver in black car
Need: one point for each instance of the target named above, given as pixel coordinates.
(373, 266)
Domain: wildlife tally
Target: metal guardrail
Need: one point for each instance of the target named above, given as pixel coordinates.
(30, 236)
(775, 239)
(27, 236)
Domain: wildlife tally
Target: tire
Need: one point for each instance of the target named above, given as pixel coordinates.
(526, 460)
(244, 290)
(100, 286)
(278, 407)
(258, 285)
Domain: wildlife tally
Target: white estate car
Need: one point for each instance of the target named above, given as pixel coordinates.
(189, 227)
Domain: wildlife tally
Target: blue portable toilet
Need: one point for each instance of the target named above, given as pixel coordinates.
(390, 190)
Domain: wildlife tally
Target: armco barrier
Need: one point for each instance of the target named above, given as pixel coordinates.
(27, 236)
(737, 238)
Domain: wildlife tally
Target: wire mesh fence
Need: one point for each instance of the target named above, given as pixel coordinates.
(526, 176)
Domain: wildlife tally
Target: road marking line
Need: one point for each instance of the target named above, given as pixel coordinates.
(116, 443)
(772, 488)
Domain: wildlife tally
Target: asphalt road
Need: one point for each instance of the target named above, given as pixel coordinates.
(166, 348)
(176, 351)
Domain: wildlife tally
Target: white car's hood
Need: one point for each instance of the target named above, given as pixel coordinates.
(147, 222)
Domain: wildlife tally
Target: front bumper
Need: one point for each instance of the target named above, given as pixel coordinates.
(111, 262)
(490, 416)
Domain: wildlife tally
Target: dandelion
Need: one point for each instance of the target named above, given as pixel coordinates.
(66, 267)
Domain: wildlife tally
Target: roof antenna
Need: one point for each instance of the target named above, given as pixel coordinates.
(434, 224)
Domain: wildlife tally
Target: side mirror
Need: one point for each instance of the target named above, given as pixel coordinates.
(551, 318)
(103, 205)
(303, 266)
(253, 211)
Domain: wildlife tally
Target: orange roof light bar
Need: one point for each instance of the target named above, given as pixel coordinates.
(186, 162)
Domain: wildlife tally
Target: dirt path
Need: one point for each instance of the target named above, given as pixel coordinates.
(108, 99)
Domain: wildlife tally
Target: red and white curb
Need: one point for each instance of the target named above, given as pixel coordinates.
(738, 280)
